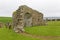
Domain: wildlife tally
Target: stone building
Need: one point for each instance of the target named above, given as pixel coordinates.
(26, 17)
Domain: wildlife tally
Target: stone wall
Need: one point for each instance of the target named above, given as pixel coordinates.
(1, 25)
(25, 16)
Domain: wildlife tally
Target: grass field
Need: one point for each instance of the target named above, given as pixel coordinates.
(5, 19)
(6, 34)
(51, 29)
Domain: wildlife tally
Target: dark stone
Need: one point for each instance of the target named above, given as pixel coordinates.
(8, 25)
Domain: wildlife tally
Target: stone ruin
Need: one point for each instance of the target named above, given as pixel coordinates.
(8, 25)
(26, 17)
(1, 25)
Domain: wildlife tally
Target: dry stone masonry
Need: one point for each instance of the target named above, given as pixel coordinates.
(26, 17)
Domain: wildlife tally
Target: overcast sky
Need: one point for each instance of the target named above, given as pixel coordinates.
(50, 8)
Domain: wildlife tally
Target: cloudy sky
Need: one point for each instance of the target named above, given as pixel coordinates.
(50, 8)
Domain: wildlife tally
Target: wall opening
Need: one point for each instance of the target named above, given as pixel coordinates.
(28, 19)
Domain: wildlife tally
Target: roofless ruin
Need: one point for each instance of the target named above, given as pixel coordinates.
(27, 17)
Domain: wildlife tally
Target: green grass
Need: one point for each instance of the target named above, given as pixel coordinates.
(6, 34)
(5, 19)
(53, 23)
(52, 29)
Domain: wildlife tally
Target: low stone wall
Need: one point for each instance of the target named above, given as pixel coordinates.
(8, 25)
(1, 25)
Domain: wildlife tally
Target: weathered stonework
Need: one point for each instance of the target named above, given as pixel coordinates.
(8, 25)
(1, 25)
(26, 17)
